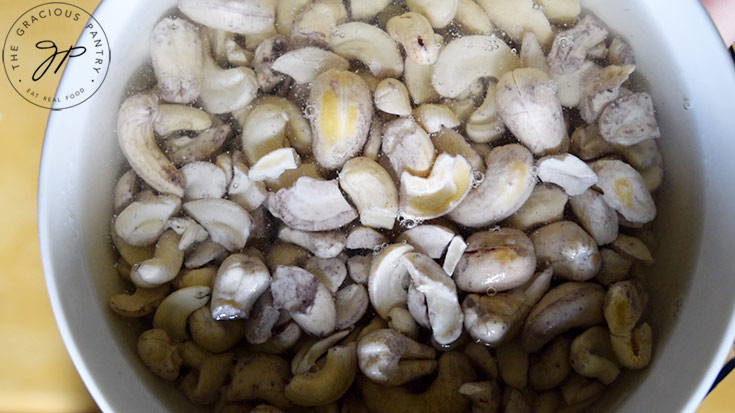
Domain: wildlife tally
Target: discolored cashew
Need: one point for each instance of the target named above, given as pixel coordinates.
(306, 64)
(388, 279)
(364, 238)
(358, 267)
(513, 364)
(163, 266)
(226, 90)
(282, 340)
(370, 45)
(207, 375)
(184, 149)
(408, 147)
(212, 335)
(263, 60)
(263, 318)
(485, 396)
(620, 52)
(625, 302)
(351, 303)
(469, 58)
(550, 366)
(569, 305)
(601, 89)
(172, 118)
(306, 358)
(545, 205)
(441, 192)
(260, 376)
(569, 50)
(240, 280)
(176, 53)
(158, 353)
(624, 190)
(173, 312)
(401, 320)
(414, 32)
(495, 261)
(629, 120)
(568, 249)
(441, 396)
(591, 355)
(516, 17)
(567, 171)
(306, 299)
(331, 272)
(311, 205)
(632, 248)
(511, 167)
(227, 223)
(390, 358)
(372, 190)
(633, 349)
(328, 383)
(321, 244)
(244, 17)
(391, 96)
(141, 303)
(595, 216)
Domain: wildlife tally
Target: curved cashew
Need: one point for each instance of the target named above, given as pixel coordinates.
(244, 17)
(260, 376)
(370, 45)
(273, 164)
(240, 280)
(184, 149)
(629, 120)
(480, 357)
(633, 349)
(311, 205)
(205, 253)
(433, 118)
(305, 360)
(513, 180)
(567, 171)
(227, 223)
(316, 23)
(143, 302)
(469, 58)
(439, 12)
(624, 190)
(572, 304)
(445, 314)
(596, 216)
(207, 375)
(226, 90)
(472, 18)
(176, 52)
(401, 320)
(390, 358)
(189, 230)
(516, 17)
(174, 310)
(452, 143)
(496, 261)
(442, 396)
(351, 303)
(387, 278)
(391, 96)
(372, 190)
(125, 190)
(129, 253)
(329, 383)
(137, 141)
(163, 267)
(569, 50)
(408, 147)
(591, 355)
(306, 64)
(321, 244)
(364, 238)
(172, 118)
(428, 239)
(568, 249)
(550, 366)
(484, 125)
(212, 335)
(285, 254)
(414, 32)
(262, 320)
(307, 300)
(440, 193)
(159, 354)
(330, 271)
(545, 205)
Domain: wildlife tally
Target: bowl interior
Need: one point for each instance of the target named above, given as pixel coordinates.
(691, 284)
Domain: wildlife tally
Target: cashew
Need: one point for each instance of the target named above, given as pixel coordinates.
(260, 377)
(439, 12)
(441, 396)
(203, 180)
(485, 396)
(364, 238)
(351, 303)
(370, 45)
(532, 55)
(364, 9)
(202, 384)
(189, 230)
(513, 180)
(184, 149)
(578, 389)
(143, 302)
(176, 53)
(205, 253)
(390, 358)
(125, 189)
(516, 401)
(316, 23)
(306, 299)
(372, 190)
(596, 216)
(263, 130)
(455, 250)
(632, 248)
(321, 244)
(591, 355)
(329, 383)
(445, 188)
(414, 32)
(212, 335)
(172, 118)
(624, 305)
(286, 12)
(408, 147)
(174, 310)
(137, 141)
(601, 90)
(306, 64)
(129, 253)
(416, 303)
(418, 82)
(513, 364)
(620, 52)
(358, 267)
(265, 55)
(495, 261)
(225, 48)
(274, 164)
(569, 305)
(391, 96)
(343, 112)
(388, 277)
(428, 239)
(548, 402)
(289, 177)
(163, 266)
(642, 155)
(588, 144)
(244, 17)
(452, 143)
(227, 90)
(285, 254)
(624, 190)
(305, 359)
(545, 205)
(567, 171)
(550, 366)
(311, 205)
(568, 249)
(614, 268)
(629, 120)
(569, 50)
(240, 280)
(280, 341)
(633, 349)
(469, 58)
(482, 360)
(598, 52)
(159, 354)
(263, 318)
(516, 17)
(243, 190)
(483, 124)
(228, 223)
(331, 272)
(401, 320)
(472, 18)
(560, 11)
(528, 106)
(445, 314)
(433, 118)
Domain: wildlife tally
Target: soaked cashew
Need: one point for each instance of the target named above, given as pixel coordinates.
(591, 355)
(550, 366)
(176, 52)
(391, 96)
(414, 32)
(633, 349)
(568, 249)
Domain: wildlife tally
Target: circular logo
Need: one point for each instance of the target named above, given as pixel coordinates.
(51, 39)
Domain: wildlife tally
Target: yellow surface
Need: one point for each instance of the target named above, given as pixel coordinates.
(36, 374)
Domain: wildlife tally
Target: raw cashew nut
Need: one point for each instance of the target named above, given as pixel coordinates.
(309, 302)
(274, 164)
(159, 354)
(163, 267)
(401, 320)
(212, 335)
(176, 52)
(141, 223)
(545, 205)
(311, 205)
(624, 190)
(414, 32)
(226, 90)
(439, 12)
(472, 18)
(567, 171)
(184, 149)
(207, 375)
(203, 180)
(388, 279)
(372, 190)
(351, 303)
(595, 216)
(569, 249)
(441, 192)
(240, 280)
(550, 366)
(361, 237)
(484, 125)
(173, 312)
(143, 302)
(364, 9)
(560, 11)
(327, 384)
(625, 302)
(263, 130)
(172, 118)
(321, 244)
(228, 223)
(243, 17)
(370, 45)
(408, 147)
(513, 364)
(633, 349)
(306, 358)
(260, 376)
(452, 142)
(629, 120)
(433, 118)
(391, 96)
(305, 64)
(591, 355)
(515, 17)
(332, 272)
(569, 50)
(388, 357)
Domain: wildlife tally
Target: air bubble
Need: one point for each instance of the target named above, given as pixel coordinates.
(408, 223)
(490, 292)
(536, 6)
(514, 50)
(477, 178)
(687, 104)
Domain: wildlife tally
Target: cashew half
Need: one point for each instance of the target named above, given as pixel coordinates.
(172, 118)
(351, 303)
(163, 267)
(311, 205)
(390, 358)
(453, 143)
(569, 50)
(173, 312)
(629, 120)
(439, 12)
(329, 383)
(591, 355)
(306, 64)
(624, 190)
(414, 32)
(602, 89)
(244, 17)
(358, 267)
(309, 302)
(595, 216)
(568, 249)
(331, 272)
(408, 147)
(159, 354)
(260, 376)
(388, 279)
(184, 149)
(274, 164)
(370, 45)
(228, 223)
(372, 190)
(240, 280)
(321, 244)
(203, 180)
(513, 364)
(176, 52)
(364, 238)
(226, 90)
(441, 192)
(567, 171)
(516, 17)
(545, 205)
(141, 223)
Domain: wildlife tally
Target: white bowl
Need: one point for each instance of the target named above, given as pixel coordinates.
(692, 284)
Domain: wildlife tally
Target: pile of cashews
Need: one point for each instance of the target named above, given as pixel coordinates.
(377, 206)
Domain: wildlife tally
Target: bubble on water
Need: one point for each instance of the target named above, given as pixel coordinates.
(378, 248)
(404, 242)
(309, 112)
(687, 104)
(491, 291)
(477, 178)
(394, 264)
(408, 223)
(565, 42)
(514, 50)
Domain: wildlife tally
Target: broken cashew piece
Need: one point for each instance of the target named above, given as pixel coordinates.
(173, 312)
(163, 267)
(203, 180)
(567, 171)
(259, 376)
(390, 358)
(438, 194)
(321, 244)
(455, 250)
(306, 358)
(452, 142)
(243, 17)
(629, 120)
(244, 191)
(568, 249)
(408, 147)
(142, 222)
(329, 383)
(428, 239)
(433, 118)
(212, 335)
(176, 53)
(352, 303)
(331, 272)
(307, 299)
(240, 280)
(414, 32)
(372, 190)
(569, 49)
(311, 205)
(274, 164)
(387, 278)
(227, 223)
(370, 45)
(391, 96)
(184, 149)
(364, 238)
(305, 64)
